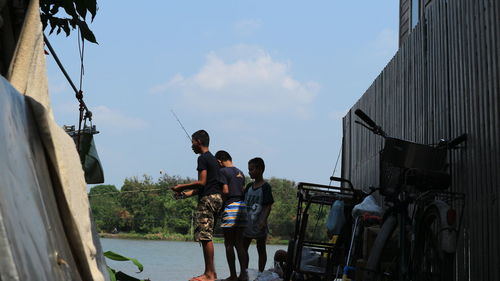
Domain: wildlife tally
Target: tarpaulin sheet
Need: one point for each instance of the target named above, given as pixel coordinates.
(33, 243)
(45, 225)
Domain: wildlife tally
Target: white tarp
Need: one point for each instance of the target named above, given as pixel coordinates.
(27, 73)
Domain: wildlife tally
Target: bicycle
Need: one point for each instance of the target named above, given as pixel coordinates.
(413, 180)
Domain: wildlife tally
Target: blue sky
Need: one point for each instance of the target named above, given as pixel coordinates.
(265, 78)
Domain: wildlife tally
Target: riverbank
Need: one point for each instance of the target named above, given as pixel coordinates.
(175, 237)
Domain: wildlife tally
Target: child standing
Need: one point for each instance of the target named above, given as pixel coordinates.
(234, 215)
(258, 199)
(208, 188)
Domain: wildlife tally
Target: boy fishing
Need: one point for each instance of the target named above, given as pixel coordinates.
(208, 188)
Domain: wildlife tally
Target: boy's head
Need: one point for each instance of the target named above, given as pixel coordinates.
(256, 167)
(223, 157)
(199, 139)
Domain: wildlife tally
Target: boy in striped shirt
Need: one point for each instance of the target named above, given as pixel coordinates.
(233, 220)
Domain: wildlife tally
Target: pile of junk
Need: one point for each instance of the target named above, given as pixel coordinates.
(334, 230)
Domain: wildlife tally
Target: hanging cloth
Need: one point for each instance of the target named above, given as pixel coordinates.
(90, 159)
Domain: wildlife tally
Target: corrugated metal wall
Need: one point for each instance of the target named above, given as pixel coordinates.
(404, 20)
(444, 81)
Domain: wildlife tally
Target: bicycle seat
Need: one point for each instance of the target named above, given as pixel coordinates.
(369, 220)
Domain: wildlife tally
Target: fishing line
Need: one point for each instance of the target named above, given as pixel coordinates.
(179, 121)
(128, 191)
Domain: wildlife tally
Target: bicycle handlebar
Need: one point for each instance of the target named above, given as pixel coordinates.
(332, 178)
(365, 118)
(456, 141)
(371, 125)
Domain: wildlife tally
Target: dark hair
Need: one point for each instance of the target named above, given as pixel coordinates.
(258, 162)
(202, 136)
(223, 156)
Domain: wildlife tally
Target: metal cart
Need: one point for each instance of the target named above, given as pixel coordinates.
(330, 255)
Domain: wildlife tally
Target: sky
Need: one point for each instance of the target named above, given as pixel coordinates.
(270, 79)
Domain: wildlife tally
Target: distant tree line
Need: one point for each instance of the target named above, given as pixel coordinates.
(145, 206)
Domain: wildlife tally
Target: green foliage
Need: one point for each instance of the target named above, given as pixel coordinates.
(143, 199)
(179, 212)
(75, 14)
(120, 276)
(105, 207)
(281, 221)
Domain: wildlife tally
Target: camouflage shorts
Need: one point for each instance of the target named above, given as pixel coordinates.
(206, 213)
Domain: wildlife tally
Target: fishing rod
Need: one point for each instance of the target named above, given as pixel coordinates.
(179, 195)
(179, 121)
(176, 195)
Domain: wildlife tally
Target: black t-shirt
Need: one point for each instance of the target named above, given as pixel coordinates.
(267, 194)
(206, 161)
(235, 179)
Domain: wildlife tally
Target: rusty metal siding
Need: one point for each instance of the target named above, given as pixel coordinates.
(444, 81)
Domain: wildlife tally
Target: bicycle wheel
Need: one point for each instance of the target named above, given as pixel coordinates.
(430, 261)
(372, 270)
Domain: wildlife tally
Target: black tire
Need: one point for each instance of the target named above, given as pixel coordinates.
(430, 262)
(372, 270)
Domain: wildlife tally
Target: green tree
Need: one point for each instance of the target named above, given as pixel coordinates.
(143, 199)
(178, 218)
(282, 218)
(105, 207)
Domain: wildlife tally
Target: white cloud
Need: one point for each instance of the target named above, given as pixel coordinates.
(116, 120)
(247, 26)
(251, 83)
(163, 87)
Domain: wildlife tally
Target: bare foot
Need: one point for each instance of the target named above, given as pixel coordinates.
(198, 278)
(204, 277)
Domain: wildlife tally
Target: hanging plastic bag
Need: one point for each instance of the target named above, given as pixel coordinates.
(336, 218)
(368, 206)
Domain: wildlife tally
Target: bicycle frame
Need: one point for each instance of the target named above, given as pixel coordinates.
(413, 175)
(449, 232)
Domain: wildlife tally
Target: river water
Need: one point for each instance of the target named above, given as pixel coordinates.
(174, 261)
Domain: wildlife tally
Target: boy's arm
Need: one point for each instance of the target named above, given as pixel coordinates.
(202, 181)
(189, 193)
(266, 210)
(225, 190)
(267, 203)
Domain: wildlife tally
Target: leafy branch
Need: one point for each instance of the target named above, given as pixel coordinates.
(120, 276)
(76, 12)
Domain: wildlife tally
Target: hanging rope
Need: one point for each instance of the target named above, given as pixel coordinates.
(85, 113)
(320, 212)
(336, 162)
(81, 51)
